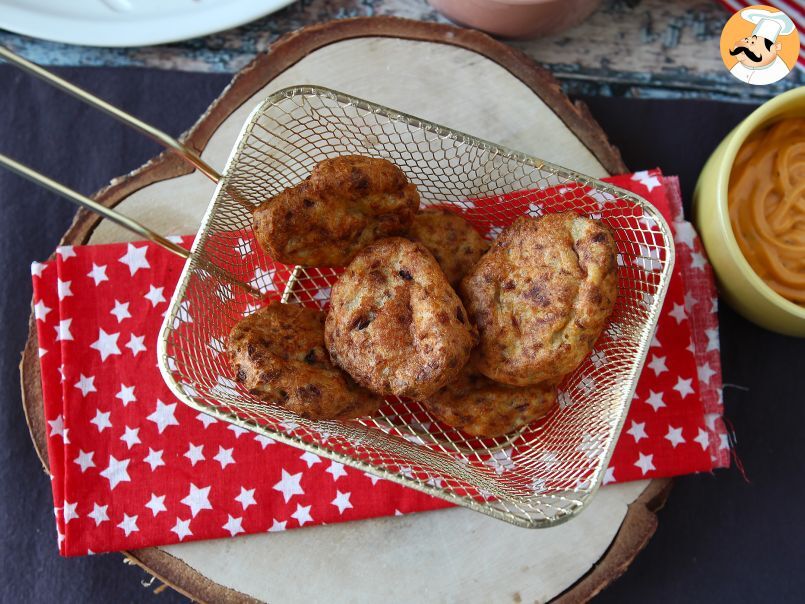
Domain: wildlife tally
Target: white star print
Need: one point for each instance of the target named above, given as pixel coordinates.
(65, 251)
(233, 525)
(206, 419)
(163, 416)
(121, 311)
(101, 420)
(724, 441)
(647, 180)
(712, 339)
(372, 477)
(310, 458)
(43, 352)
(645, 463)
(674, 436)
(244, 247)
(135, 344)
(590, 445)
(182, 529)
(683, 387)
(224, 457)
(98, 513)
(289, 485)
(156, 504)
(703, 438)
(302, 514)
(197, 499)
(63, 330)
(697, 260)
(246, 497)
(98, 274)
(84, 460)
(154, 295)
(655, 400)
(69, 511)
(37, 268)
(128, 524)
(649, 259)
(106, 344)
(135, 259)
(63, 288)
(251, 309)
(341, 501)
(130, 437)
(41, 311)
(116, 472)
(690, 300)
(609, 475)
(86, 384)
(685, 234)
(264, 440)
(678, 313)
(263, 280)
(183, 314)
(638, 431)
(195, 453)
(657, 364)
(655, 342)
(154, 459)
(57, 426)
(705, 373)
(217, 345)
(336, 470)
(126, 395)
(277, 526)
(323, 294)
(237, 430)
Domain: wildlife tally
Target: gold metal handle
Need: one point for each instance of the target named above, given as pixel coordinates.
(91, 204)
(167, 141)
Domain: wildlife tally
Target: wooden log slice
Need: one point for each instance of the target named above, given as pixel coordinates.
(468, 81)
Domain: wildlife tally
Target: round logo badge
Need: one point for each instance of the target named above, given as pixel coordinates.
(760, 45)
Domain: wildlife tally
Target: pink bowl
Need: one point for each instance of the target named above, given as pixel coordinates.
(517, 18)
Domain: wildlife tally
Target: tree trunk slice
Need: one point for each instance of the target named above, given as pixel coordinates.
(462, 79)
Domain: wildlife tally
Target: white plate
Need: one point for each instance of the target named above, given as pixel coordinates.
(129, 22)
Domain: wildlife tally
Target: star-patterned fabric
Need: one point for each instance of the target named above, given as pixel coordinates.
(132, 467)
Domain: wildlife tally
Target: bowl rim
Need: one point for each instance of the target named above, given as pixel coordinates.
(759, 118)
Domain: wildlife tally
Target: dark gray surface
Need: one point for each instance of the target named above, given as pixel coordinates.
(720, 539)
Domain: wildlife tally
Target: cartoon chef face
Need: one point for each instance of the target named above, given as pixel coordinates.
(755, 51)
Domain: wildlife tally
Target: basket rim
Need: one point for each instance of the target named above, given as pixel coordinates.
(564, 514)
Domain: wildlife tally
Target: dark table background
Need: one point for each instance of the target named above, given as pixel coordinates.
(720, 538)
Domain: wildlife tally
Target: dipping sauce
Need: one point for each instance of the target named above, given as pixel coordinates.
(767, 205)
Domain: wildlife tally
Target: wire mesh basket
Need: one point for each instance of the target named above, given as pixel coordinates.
(535, 477)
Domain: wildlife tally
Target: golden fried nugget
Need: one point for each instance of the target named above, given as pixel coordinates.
(541, 296)
(453, 241)
(479, 406)
(395, 324)
(278, 353)
(345, 203)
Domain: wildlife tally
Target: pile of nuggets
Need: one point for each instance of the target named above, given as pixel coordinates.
(426, 308)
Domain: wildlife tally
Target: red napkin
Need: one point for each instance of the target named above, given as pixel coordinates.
(132, 467)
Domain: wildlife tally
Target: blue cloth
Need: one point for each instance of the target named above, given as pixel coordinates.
(719, 538)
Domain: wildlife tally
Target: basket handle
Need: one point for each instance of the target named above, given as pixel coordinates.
(167, 141)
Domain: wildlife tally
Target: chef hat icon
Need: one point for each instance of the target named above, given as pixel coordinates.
(768, 24)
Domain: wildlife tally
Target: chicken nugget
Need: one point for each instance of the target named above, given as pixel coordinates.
(345, 203)
(453, 241)
(278, 354)
(541, 296)
(395, 324)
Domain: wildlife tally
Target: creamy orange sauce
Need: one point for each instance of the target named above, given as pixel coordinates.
(767, 205)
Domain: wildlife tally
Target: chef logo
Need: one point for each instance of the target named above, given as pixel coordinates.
(760, 45)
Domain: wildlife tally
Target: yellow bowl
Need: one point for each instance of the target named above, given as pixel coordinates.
(742, 288)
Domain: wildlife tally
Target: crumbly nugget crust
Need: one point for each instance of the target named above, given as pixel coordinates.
(453, 241)
(395, 324)
(278, 354)
(479, 406)
(541, 297)
(345, 203)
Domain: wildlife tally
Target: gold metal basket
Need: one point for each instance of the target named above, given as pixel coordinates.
(536, 477)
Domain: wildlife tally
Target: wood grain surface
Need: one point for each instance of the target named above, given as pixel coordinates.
(640, 521)
(647, 48)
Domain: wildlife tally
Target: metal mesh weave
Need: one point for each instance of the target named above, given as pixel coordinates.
(536, 477)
